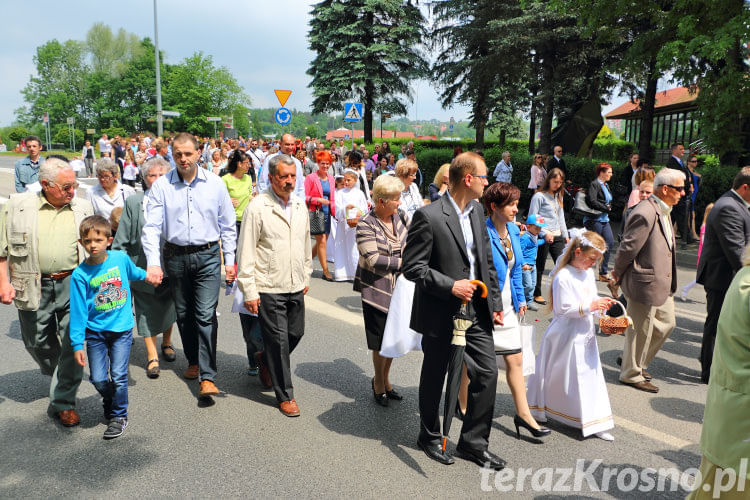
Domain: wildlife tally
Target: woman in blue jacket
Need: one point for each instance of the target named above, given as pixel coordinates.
(501, 202)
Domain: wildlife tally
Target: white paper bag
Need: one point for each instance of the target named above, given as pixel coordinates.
(527, 350)
(398, 338)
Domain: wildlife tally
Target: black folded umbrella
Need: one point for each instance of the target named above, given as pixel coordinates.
(461, 322)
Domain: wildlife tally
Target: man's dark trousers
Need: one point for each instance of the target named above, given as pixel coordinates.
(482, 367)
(282, 324)
(714, 301)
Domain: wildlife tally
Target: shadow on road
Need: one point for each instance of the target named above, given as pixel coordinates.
(678, 408)
(363, 418)
(40, 452)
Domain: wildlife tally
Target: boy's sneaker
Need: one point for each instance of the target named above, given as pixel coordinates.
(115, 428)
(252, 371)
(531, 306)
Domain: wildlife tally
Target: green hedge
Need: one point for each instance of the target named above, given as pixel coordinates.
(716, 179)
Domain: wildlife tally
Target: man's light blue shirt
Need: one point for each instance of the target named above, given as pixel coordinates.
(264, 182)
(26, 173)
(189, 214)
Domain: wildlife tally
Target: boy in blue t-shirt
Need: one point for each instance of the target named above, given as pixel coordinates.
(101, 312)
(529, 244)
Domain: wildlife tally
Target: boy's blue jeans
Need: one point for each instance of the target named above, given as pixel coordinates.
(529, 282)
(109, 353)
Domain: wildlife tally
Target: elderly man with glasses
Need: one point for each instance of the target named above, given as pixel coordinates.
(38, 251)
(646, 268)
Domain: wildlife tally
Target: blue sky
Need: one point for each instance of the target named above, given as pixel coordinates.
(263, 43)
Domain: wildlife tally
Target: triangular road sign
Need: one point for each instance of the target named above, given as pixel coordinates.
(353, 114)
(282, 96)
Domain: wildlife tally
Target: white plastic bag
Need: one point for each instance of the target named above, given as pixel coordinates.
(398, 338)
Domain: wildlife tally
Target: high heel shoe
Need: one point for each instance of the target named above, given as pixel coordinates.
(381, 399)
(540, 432)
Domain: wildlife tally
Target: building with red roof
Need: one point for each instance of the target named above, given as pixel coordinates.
(675, 118)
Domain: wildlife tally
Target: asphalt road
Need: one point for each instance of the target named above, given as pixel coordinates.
(344, 444)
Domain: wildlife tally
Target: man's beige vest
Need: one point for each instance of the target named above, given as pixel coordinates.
(23, 256)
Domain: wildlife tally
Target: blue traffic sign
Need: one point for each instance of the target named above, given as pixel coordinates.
(352, 111)
(283, 116)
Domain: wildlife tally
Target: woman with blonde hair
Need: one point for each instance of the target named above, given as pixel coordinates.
(439, 185)
(568, 384)
(411, 200)
(381, 237)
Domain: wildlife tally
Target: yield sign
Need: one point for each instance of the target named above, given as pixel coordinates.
(282, 96)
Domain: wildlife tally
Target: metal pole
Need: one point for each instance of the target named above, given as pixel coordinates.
(159, 118)
(352, 136)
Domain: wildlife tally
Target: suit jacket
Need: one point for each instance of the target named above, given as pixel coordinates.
(727, 234)
(555, 163)
(435, 258)
(645, 262)
(672, 163)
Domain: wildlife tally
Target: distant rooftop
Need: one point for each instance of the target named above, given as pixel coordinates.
(666, 99)
(342, 133)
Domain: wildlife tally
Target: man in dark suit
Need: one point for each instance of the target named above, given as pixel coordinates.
(447, 247)
(681, 211)
(557, 161)
(727, 235)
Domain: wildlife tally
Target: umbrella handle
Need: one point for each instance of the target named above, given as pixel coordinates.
(445, 441)
(481, 285)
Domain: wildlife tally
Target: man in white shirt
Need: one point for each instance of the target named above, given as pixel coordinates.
(104, 147)
(286, 147)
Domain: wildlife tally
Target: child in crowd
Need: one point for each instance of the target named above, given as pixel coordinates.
(690, 285)
(568, 385)
(114, 219)
(530, 241)
(102, 314)
(350, 206)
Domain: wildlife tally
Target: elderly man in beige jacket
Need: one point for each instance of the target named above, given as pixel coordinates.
(646, 269)
(275, 264)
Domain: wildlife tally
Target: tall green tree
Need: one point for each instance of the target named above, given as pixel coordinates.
(111, 53)
(709, 49)
(197, 89)
(637, 30)
(366, 51)
(467, 68)
(59, 84)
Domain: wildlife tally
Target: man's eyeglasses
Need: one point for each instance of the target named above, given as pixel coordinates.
(65, 187)
(676, 188)
(478, 176)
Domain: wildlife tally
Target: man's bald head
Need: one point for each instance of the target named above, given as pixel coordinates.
(287, 144)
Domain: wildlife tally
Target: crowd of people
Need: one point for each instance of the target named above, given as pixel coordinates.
(262, 213)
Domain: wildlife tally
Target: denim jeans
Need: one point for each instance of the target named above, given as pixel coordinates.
(604, 230)
(109, 353)
(529, 282)
(195, 279)
(253, 338)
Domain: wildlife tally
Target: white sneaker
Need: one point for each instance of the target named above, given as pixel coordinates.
(605, 436)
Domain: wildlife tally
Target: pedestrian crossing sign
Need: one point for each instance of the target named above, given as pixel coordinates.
(352, 111)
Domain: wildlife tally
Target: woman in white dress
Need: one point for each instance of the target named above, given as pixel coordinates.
(350, 206)
(568, 384)
(501, 202)
(411, 200)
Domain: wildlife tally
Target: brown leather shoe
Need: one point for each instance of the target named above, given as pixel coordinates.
(191, 373)
(68, 418)
(644, 386)
(263, 373)
(289, 408)
(208, 388)
(604, 277)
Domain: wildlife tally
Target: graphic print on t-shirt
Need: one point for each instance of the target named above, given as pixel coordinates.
(110, 295)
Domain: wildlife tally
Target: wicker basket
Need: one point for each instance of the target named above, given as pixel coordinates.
(615, 326)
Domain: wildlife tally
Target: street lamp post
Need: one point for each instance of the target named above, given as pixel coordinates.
(159, 118)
